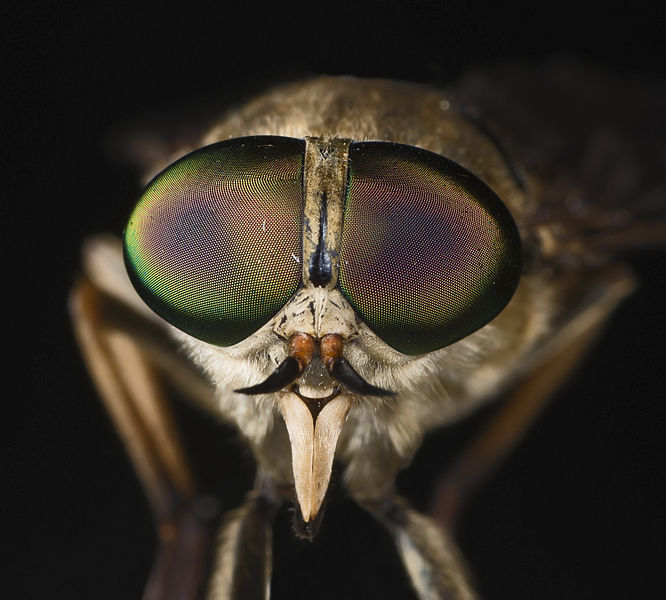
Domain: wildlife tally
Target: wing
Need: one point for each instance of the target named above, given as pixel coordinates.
(592, 139)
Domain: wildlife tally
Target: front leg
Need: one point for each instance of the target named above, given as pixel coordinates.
(431, 559)
(122, 362)
(243, 563)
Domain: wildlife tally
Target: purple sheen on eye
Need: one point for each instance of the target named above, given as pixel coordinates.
(429, 253)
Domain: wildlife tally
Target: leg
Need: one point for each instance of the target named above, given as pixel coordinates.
(135, 402)
(431, 559)
(551, 366)
(116, 343)
(242, 565)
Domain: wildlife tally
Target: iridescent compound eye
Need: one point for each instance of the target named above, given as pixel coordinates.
(429, 253)
(214, 244)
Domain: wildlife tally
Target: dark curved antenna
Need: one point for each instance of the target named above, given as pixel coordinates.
(345, 373)
(286, 372)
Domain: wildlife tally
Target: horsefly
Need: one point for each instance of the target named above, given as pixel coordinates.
(336, 268)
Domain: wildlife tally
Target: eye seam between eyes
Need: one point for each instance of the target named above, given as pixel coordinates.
(325, 184)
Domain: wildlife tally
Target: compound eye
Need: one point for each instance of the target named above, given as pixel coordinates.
(429, 253)
(214, 244)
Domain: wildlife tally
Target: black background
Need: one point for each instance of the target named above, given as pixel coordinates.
(576, 512)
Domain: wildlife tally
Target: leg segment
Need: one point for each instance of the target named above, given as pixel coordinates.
(431, 559)
(142, 417)
(551, 366)
(242, 566)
